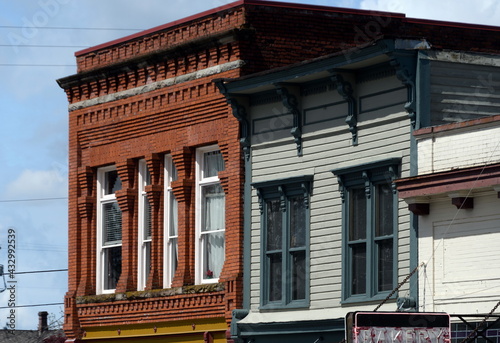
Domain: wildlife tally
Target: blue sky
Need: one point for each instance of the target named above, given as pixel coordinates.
(38, 39)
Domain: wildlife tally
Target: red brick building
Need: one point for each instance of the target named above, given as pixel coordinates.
(156, 166)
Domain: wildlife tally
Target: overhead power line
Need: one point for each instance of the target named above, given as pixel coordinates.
(44, 46)
(36, 199)
(36, 65)
(33, 305)
(71, 28)
(42, 271)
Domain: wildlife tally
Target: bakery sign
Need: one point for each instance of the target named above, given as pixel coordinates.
(397, 327)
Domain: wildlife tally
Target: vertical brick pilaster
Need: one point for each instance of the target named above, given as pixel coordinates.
(155, 197)
(71, 326)
(183, 190)
(127, 200)
(86, 213)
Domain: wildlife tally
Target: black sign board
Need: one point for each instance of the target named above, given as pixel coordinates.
(403, 327)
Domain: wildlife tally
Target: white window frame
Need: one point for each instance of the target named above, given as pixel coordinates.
(102, 199)
(170, 218)
(144, 256)
(202, 181)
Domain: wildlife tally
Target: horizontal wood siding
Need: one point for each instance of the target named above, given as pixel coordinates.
(462, 91)
(383, 133)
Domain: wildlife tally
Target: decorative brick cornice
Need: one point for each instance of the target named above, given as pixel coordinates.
(138, 307)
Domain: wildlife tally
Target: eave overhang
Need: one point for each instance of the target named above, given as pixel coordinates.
(345, 61)
(446, 182)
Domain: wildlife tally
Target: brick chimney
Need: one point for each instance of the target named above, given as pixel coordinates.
(42, 322)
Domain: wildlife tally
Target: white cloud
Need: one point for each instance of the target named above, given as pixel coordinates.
(485, 12)
(35, 184)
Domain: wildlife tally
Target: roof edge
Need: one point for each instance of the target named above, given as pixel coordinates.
(234, 5)
(160, 28)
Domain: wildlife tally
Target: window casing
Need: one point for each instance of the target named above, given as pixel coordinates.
(210, 215)
(171, 224)
(109, 230)
(369, 230)
(285, 217)
(144, 221)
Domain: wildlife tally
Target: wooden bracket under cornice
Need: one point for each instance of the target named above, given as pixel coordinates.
(462, 200)
(346, 91)
(405, 64)
(419, 205)
(239, 109)
(289, 99)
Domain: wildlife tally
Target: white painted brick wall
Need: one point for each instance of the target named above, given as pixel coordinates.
(458, 149)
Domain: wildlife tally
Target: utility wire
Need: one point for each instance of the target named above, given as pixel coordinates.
(44, 46)
(32, 305)
(37, 65)
(36, 199)
(42, 271)
(70, 28)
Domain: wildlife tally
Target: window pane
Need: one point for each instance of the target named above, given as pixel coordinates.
(275, 280)
(173, 172)
(298, 275)
(213, 204)
(213, 250)
(297, 222)
(173, 216)
(358, 252)
(385, 210)
(173, 256)
(147, 178)
(274, 225)
(385, 264)
(212, 163)
(357, 214)
(112, 182)
(112, 266)
(147, 261)
(147, 218)
(112, 223)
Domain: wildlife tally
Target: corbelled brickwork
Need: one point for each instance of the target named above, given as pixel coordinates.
(152, 94)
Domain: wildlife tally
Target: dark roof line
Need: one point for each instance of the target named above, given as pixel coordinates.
(268, 3)
(234, 5)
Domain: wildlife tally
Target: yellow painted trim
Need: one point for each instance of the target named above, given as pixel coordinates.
(181, 331)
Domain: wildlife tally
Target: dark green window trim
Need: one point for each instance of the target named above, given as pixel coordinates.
(285, 247)
(369, 247)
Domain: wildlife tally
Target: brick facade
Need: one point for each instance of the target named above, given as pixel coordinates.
(151, 94)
